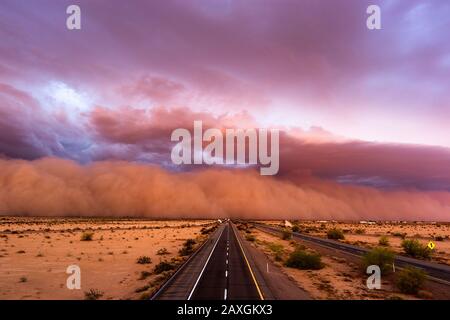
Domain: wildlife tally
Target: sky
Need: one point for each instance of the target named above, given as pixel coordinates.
(361, 111)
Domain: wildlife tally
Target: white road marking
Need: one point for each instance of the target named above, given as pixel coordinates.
(226, 273)
(225, 295)
(204, 267)
(227, 261)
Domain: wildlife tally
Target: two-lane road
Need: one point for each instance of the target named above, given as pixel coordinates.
(227, 274)
(219, 271)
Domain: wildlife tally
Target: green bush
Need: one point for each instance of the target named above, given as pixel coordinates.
(286, 234)
(295, 228)
(410, 280)
(278, 250)
(414, 248)
(384, 241)
(164, 266)
(87, 236)
(335, 234)
(300, 259)
(382, 257)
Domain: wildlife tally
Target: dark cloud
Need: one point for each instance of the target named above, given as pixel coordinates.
(315, 153)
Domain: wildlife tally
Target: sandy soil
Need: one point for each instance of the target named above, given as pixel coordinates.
(35, 252)
(368, 235)
(339, 279)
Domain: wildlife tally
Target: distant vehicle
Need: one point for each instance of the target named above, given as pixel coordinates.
(287, 224)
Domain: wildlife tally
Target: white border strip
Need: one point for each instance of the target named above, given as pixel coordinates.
(204, 267)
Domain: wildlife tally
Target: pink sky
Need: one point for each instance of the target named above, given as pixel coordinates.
(357, 107)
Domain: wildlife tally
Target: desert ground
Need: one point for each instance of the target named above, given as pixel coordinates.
(35, 253)
(342, 277)
(367, 234)
(123, 258)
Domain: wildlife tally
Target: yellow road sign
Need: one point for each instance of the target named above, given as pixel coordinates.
(431, 245)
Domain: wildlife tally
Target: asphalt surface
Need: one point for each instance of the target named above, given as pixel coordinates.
(227, 275)
(437, 272)
(219, 270)
(180, 285)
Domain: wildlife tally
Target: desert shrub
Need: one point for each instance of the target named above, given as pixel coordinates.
(23, 279)
(382, 257)
(295, 228)
(300, 259)
(93, 294)
(206, 230)
(410, 280)
(439, 238)
(250, 237)
(423, 294)
(162, 251)
(335, 234)
(277, 249)
(286, 234)
(87, 236)
(186, 251)
(384, 241)
(145, 296)
(360, 231)
(394, 297)
(414, 248)
(399, 234)
(158, 280)
(188, 247)
(142, 289)
(144, 260)
(164, 266)
(144, 275)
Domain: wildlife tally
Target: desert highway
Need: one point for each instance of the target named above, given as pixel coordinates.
(436, 272)
(219, 270)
